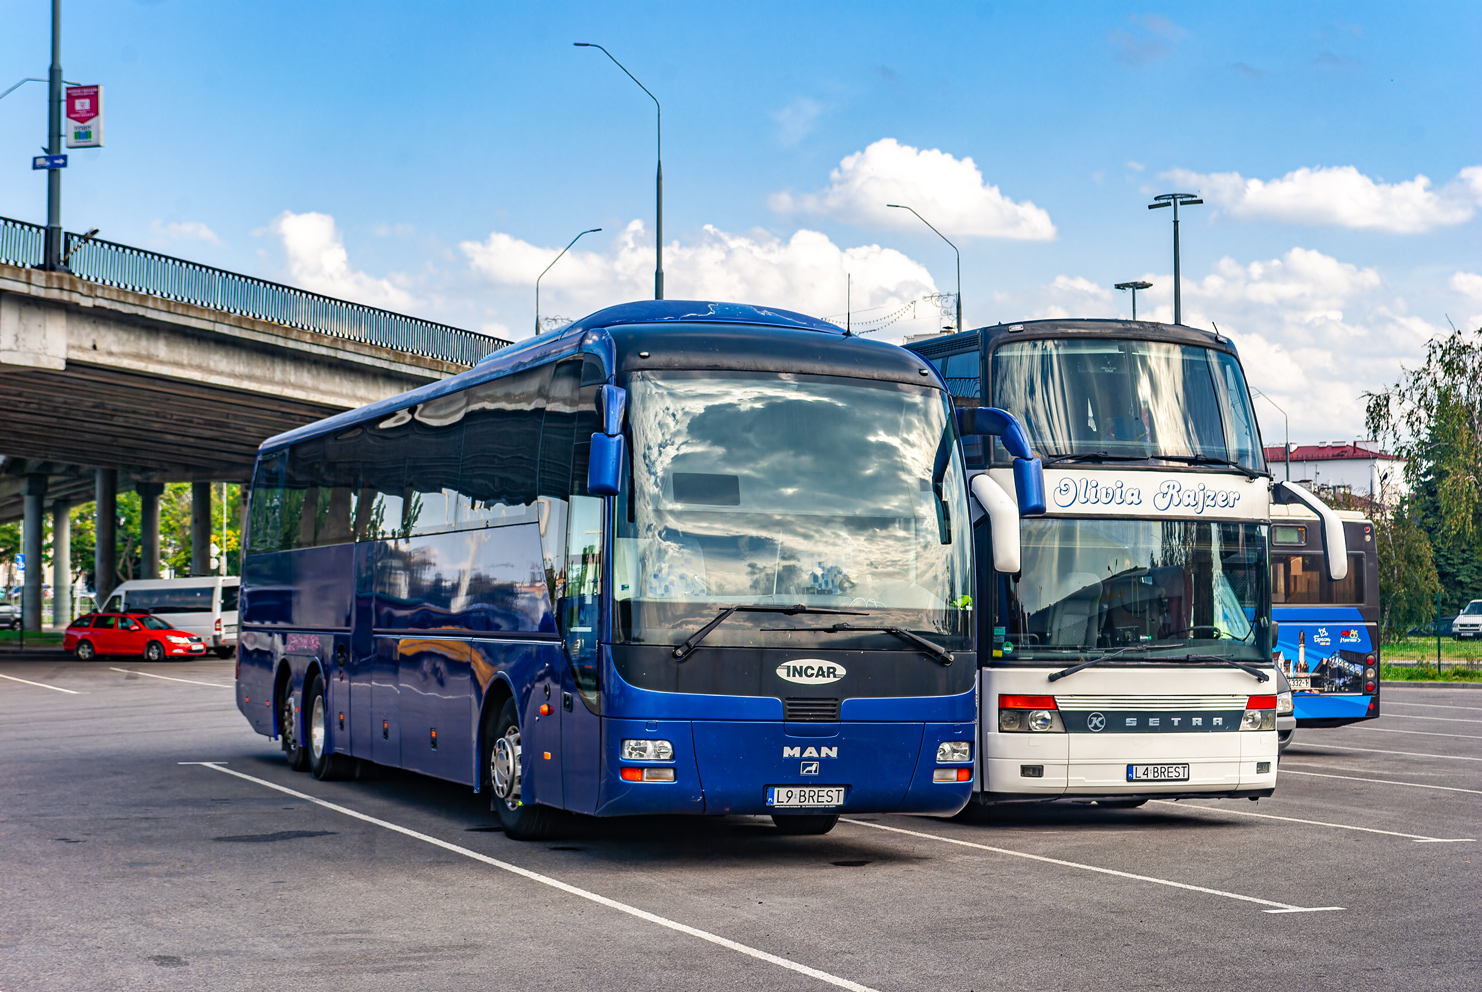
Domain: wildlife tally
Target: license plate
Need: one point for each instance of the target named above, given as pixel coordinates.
(805, 795)
(1300, 682)
(1157, 773)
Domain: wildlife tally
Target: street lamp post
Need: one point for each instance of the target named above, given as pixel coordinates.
(1174, 199)
(1286, 451)
(1134, 286)
(573, 241)
(659, 179)
(52, 259)
(901, 206)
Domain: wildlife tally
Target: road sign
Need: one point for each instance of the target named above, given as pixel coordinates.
(84, 116)
(49, 162)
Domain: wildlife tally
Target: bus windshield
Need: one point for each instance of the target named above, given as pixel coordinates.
(1128, 400)
(786, 489)
(1175, 587)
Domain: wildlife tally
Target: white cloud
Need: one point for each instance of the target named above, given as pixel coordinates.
(1341, 196)
(1314, 332)
(806, 272)
(796, 121)
(189, 230)
(950, 192)
(317, 261)
(1469, 285)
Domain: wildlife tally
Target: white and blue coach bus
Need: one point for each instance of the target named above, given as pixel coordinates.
(673, 558)
(1125, 642)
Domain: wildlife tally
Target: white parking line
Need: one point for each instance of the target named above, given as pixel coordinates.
(1284, 770)
(1375, 750)
(1443, 719)
(1280, 907)
(641, 914)
(1419, 733)
(42, 685)
(1418, 838)
(171, 678)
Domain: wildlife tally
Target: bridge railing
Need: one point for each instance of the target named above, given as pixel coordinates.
(170, 278)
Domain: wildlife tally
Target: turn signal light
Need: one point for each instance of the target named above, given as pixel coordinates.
(647, 774)
(545, 709)
(1261, 703)
(952, 775)
(1026, 702)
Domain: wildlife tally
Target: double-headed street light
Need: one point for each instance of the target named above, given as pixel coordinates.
(658, 182)
(1173, 200)
(573, 241)
(901, 206)
(1134, 286)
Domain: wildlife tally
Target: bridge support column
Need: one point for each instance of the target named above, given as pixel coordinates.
(105, 551)
(35, 534)
(61, 563)
(200, 528)
(149, 526)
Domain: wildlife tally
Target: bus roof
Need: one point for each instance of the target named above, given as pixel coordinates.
(1142, 330)
(661, 334)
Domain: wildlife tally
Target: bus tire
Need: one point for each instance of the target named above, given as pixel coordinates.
(806, 824)
(154, 651)
(288, 731)
(502, 774)
(324, 764)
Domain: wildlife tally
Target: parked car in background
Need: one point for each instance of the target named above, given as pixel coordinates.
(1468, 623)
(10, 614)
(138, 634)
(204, 605)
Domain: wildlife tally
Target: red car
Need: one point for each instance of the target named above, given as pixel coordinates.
(129, 633)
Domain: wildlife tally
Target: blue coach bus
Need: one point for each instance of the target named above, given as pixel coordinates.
(673, 558)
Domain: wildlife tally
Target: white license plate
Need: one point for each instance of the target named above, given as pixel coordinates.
(1157, 773)
(1300, 681)
(805, 795)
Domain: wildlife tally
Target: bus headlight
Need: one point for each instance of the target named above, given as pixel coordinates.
(955, 751)
(1284, 703)
(1041, 721)
(648, 751)
(1029, 714)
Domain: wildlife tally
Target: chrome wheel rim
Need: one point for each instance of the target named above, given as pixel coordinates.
(290, 723)
(504, 767)
(154, 652)
(85, 650)
(316, 728)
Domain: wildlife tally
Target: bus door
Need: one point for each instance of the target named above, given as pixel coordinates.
(361, 655)
(581, 609)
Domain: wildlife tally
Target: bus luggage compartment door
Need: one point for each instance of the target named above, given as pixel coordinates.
(737, 761)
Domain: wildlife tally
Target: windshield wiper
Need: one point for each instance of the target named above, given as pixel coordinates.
(930, 647)
(1094, 456)
(1209, 460)
(681, 652)
(1057, 676)
(1249, 669)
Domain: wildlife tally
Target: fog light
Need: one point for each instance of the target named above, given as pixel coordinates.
(648, 751)
(955, 751)
(1263, 768)
(1032, 771)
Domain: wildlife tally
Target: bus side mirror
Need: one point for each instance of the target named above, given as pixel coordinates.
(1003, 523)
(612, 405)
(605, 465)
(1334, 544)
(1029, 472)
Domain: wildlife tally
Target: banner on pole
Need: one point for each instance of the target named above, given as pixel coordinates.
(84, 117)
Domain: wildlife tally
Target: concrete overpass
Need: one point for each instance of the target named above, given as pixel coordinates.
(135, 369)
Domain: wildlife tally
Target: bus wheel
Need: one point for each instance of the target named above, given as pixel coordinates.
(298, 755)
(806, 825)
(521, 821)
(154, 651)
(323, 763)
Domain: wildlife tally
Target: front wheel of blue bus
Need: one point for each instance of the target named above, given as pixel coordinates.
(502, 773)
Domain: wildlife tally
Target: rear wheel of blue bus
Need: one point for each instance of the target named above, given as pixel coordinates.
(502, 755)
(289, 731)
(323, 762)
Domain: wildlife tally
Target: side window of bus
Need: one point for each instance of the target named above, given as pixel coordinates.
(1303, 580)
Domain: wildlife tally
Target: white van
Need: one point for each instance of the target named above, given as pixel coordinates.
(205, 605)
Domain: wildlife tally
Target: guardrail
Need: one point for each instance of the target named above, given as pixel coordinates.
(125, 267)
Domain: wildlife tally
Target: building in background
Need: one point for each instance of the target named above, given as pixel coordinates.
(1359, 467)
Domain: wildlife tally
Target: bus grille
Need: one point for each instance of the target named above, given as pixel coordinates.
(811, 710)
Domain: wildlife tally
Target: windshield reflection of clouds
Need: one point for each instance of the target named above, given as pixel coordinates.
(777, 489)
(1105, 584)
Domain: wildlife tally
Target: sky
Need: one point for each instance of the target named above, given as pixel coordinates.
(434, 158)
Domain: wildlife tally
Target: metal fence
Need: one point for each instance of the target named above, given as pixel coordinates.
(141, 271)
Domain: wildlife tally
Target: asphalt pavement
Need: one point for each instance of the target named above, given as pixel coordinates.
(150, 840)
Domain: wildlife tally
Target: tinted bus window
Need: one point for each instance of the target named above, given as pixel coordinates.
(1303, 579)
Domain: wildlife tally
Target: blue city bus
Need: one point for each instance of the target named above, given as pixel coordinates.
(675, 557)
(1328, 632)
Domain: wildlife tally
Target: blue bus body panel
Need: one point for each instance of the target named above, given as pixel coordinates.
(1336, 639)
(1319, 706)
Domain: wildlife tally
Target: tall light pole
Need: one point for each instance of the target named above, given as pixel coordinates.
(1286, 451)
(1134, 286)
(573, 241)
(1174, 199)
(901, 206)
(52, 259)
(658, 181)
